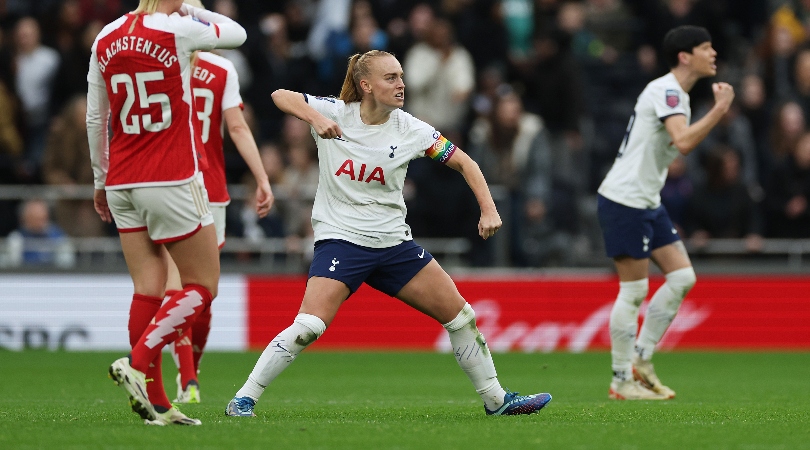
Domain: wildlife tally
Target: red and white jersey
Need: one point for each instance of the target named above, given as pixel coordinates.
(215, 86)
(139, 71)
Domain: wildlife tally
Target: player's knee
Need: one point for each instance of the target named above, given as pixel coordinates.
(315, 327)
(464, 317)
(682, 280)
(633, 292)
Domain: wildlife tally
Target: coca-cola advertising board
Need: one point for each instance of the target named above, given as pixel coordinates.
(547, 314)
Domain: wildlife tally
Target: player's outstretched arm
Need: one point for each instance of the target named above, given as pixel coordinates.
(293, 103)
(230, 34)
(243, 139)
(490, 220)
(686, 137)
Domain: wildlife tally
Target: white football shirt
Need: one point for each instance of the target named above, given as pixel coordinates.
(362, 173)
(640, 169)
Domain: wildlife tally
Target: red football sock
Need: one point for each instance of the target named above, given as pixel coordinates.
(181, 352)
(184, 357)
(172, 320)
(199, 335)
(141, 313)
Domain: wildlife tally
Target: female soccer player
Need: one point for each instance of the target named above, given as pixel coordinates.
(365, 142)
(215, 85)
(635, 225)
(147, 178)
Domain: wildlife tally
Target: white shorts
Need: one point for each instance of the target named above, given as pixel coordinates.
(219, 223)
(167, 213)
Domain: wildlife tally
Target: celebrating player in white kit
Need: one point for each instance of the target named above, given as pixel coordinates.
(636, 226)
(148, 179)
(365, 142)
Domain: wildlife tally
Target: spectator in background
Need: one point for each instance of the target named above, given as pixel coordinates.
(66, 162)
(104, 11)
(403, 32)
(36, 68)
(722, 206)
(787, 126)
(74, 49)
(229, 9)
(274, 66)
(788, 192)
(362, 35)
(777, 50)
(38, 241)
(245, 222)
(441, 77)
(735, 131)
(754, 105)
(512, 148)
(300, 183)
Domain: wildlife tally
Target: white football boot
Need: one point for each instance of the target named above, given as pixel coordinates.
(134, 381)
(644, 372)
(172, 417)
(632, 390)
(191, 394)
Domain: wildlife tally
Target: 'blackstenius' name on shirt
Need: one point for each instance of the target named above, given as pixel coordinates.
(137, 44)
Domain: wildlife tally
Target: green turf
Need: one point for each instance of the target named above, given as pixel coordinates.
(417, 400)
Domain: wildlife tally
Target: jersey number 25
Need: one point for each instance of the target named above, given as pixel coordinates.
(132, 124)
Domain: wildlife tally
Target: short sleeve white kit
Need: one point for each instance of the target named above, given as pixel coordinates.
(362, 174)
(640, 169)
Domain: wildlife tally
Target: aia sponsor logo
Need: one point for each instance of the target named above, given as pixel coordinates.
(361, 173)
(576, 337)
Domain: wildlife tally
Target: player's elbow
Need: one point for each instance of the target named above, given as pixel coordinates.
(239, 129)
(684, 146)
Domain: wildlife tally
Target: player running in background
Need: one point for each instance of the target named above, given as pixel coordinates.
(147, 177)
(365, 142)
(635, 225)
(215, 86)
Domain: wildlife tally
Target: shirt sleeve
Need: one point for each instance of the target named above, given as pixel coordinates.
(98, 114)
(328, 106)
(668, 100)
(231, 97)
(198, 34)
(430, 142)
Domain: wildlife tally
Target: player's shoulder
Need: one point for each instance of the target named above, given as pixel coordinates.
(407, 123)
(110, 28)
(175, 24)
(217, 60)
(667, 82)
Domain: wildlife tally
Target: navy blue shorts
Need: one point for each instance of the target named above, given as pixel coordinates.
(386, 269)
(634, 232)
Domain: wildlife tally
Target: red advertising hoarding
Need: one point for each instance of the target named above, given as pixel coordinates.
(551, 314)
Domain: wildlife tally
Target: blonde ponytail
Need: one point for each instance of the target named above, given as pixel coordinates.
(359, 68)
(147, 6)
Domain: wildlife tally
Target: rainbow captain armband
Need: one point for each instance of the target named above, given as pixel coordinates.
(441, 150)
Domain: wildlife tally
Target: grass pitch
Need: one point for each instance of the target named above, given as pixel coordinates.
(416, 400)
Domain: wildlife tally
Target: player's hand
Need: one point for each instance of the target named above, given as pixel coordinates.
(489, 224)
(100, 203)
(264, 198)
(723, 94)
(326, 128)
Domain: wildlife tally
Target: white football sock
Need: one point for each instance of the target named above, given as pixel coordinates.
(662, 309)
(472, 354)
(281, 351)
(624, 325)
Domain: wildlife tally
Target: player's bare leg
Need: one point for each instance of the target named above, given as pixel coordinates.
(432, 292)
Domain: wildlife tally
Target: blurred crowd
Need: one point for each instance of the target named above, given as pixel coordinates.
(538, 92)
